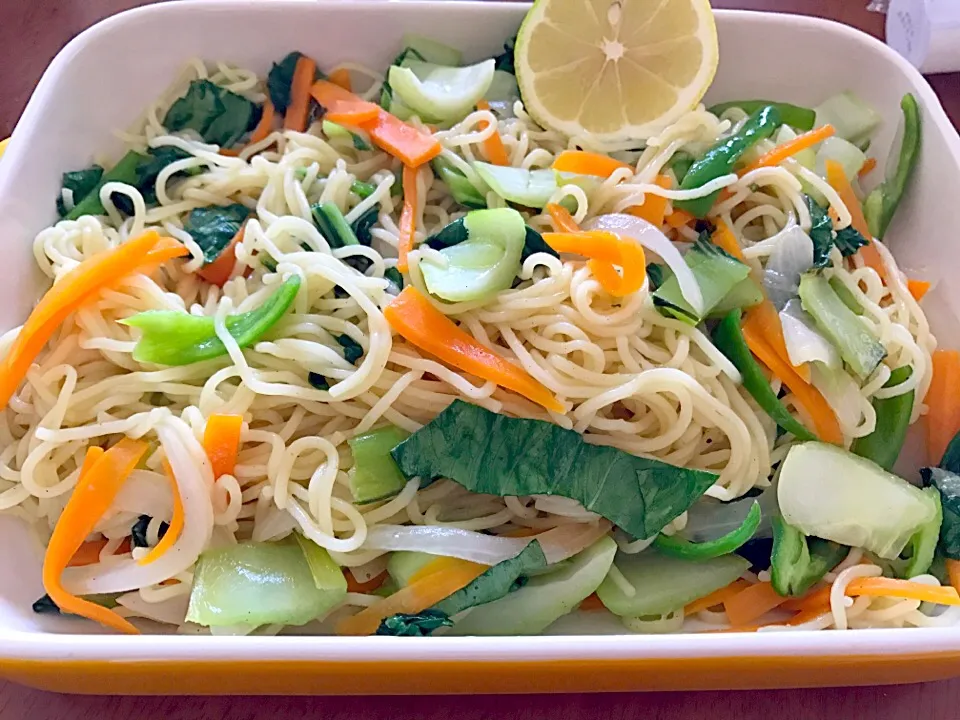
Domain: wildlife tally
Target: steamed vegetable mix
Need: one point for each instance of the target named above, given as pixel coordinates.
(721, 158)
(177, 338)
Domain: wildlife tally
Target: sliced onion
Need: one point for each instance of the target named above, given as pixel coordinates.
(144, 493)
(195, 481)
(840, 391)
(804, 342)
(171, 611)
(368, 571)
(655, 241)
(791, 257)
(558, 543)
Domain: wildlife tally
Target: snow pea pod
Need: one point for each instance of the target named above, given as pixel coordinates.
(893, 418)
(724, 545)
(798, 563)
(797, 117)
(721, 158)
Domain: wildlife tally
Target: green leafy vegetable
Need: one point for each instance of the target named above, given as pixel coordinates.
(821, 232)
(729, 340)
(80, 183)
(279, 80)
(178, 338)
(655, 274)
(678, 547)
(362, 226)
(504, 61)
(846, 295)
(947, 484)
(352, 350)
(333, 225)
(213, 227)
(138, 532)
(883, 445)
(498, 455)
(125, 171)
(795, 116)
(218, 115)
(327, 575)
(797, 562)
(849, 240)
(496, 582)
(394, 276)
(534, 243)
(419, 625)
(951, 456)
(363, 189)
(917, 557)
(462, 190)
(375, 475)
(149, 170)
(318, 381)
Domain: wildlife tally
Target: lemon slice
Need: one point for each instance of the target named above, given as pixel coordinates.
(614, 71)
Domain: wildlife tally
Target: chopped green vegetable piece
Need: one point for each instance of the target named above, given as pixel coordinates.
(170, 337)
(728, 338)
(327, 575)
(797, 117)
(80, 183)
(665, 584)
(883, 445)
(429, 50)
(947, 484)
(363, 189)
(681, 164)
(853, 119)
(882, 203)
(418, 625)
(717, 274)
(333, 225)
(279, 80)
(460, 187)
(46, 606)
(857, 346)
(656, 274)
(499, 455)
(258, 584)
(951, 456)
(375, 475)
(403, 565)
(799, 563)
(352, 350)
(745, 294)
(138, 531)
(394, 276)
(218, 115)
(678, 547)
(333, 130)
(920, 551)
(149, 170)
(125, 171)
(362, 225)
(846, 295)
(318, 381)
(821, 233)
(504, 61)
(848, 240)
(496, 582)
(213, 227)
(533, 242)
(721, 158)
(530, 188)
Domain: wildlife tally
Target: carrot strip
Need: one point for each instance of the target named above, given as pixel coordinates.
(441, 563)
(724, 238)
(679, 218)
(221, 441)
(265, 126)
(218, 272)
(943, 415)
(752, 603)
(654, 207)
(839, 182)
(918, 288)
(717, 597)
(588, 163)
(869, 165)
(824, 420)
(341, 77)
(299, 108)
(493, 145)
(102, 475)
(403, 141)
(764, 321)
(342, 106)
(814, 600)
(355, 586)
(72, 291)
(953, 572)
(562, 219)
(592, 603)
(175, 527)
(605, 249)
(408, 217)
(89, 552)
(421, 324)
(523, 532)
(790, 148)
(891, 587)
(414, 598)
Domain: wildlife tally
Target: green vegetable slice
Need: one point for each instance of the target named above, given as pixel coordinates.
(728, 338)
(404, 564)
(212, 228)
(375, 475)
(798, 563)
(795, 116)
(125, 171)
(922, 547)
(333, 225)
(178, 338)
(498, 455)
(440, 92)
(414, 625)
(429, 50)
(460, 187)
(883, 445)
(853, 119)
(678, 547)
(947, 485)
(327, 575)
(857, 346)
(530, 188)
(80, 183)
(218, 115)
(279, 80)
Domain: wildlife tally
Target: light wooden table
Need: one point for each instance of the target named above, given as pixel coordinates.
(31, 33)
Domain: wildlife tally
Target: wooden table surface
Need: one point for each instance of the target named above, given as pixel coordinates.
(31, 33)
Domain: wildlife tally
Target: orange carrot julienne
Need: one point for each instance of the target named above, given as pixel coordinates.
(592, 603)
(562, 219)
(790, 148)
(493, 145)
(588, 163)
(265, 126)
(421, 324)
(752, 603)
(869, 165)
(341, 77)
(218, 271)
(402, 140)
(814, 600)
(724, 238)
(953, 572)
(605, 249)
(943, 415)
(342, 106)
(298, 110)
(76, 288)
(414, 598)
(654, 207)
(102, 475)
(824, 419)
(763, 321)
(355, 586)
(891, 587)
(174, 528)
(89, 552)
(838, 181)
(918, 288)
(717, 597)
(679, 218)
(221, 441)
(441, 563)
(408, 216)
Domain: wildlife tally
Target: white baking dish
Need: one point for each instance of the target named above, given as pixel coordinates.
(105, 77)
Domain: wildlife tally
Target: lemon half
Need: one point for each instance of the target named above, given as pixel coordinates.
(612, 72)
